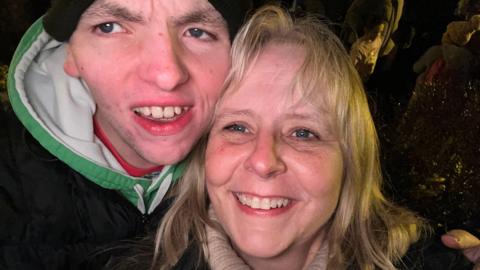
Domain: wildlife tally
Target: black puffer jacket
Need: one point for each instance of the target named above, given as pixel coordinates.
(52, 217)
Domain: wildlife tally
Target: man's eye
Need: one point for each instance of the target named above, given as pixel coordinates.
(199, 33)
(236, 128)
(304, 134)
(109, 28)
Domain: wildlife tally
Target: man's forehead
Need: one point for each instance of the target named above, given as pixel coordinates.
(141, 10)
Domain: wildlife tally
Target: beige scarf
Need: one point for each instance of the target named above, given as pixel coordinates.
(223, 257)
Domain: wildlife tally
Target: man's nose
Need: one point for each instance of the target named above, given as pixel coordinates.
(163, 62)
(265, 159)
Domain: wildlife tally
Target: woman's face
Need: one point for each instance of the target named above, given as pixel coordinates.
(273, 163)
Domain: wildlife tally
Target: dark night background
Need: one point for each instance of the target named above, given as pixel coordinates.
(430, 143)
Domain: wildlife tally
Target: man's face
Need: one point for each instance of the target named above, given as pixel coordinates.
(155, 69)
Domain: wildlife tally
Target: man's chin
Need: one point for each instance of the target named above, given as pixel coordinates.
(165, 156)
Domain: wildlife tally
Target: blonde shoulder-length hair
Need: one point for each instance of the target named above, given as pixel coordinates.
(366, 231)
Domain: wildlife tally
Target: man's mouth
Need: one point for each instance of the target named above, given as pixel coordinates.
(262, 203)
(160, 113)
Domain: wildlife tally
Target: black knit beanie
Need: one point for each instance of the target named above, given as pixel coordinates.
(62, 18)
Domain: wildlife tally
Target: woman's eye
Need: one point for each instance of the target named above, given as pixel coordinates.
(199, 34)
(236, 128)
(109, 28)
(304, 134)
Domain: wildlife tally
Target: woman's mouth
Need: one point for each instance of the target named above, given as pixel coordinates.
(262, 203)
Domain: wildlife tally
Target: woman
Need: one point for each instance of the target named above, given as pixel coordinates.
(289, 175)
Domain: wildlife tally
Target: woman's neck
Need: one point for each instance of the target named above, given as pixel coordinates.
(300, 256)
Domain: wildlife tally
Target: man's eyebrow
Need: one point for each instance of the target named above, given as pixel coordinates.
(206, 15)
(106, 9)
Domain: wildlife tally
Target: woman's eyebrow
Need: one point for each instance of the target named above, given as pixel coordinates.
(107, 9)
(232, 113)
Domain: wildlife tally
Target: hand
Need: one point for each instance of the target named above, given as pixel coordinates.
(462, 240)
(475, 22)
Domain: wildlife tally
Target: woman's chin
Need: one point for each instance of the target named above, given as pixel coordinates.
(259, 249)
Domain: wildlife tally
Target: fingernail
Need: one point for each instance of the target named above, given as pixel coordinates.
(450, 240)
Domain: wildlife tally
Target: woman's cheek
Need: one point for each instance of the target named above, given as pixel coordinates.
(221, 161)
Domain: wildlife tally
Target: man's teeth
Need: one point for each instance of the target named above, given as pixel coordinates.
(261, 203)
(158, 112)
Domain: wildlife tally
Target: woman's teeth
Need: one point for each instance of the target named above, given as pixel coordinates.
(261, 203)
(157, 112)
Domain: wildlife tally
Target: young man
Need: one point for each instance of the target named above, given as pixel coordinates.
(111, 96)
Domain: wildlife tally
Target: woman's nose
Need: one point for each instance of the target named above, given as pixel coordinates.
(265, 159)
